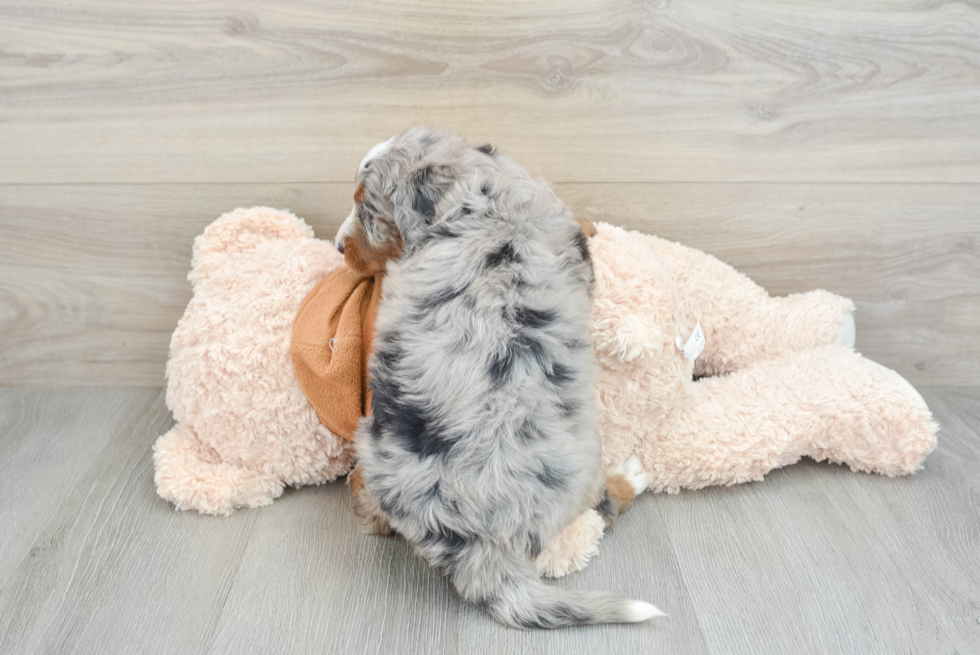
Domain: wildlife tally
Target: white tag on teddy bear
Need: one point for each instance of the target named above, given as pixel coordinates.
(694, 345)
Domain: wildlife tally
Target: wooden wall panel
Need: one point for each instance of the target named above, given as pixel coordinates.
(832, 144)
(93, 277)
(578, 90)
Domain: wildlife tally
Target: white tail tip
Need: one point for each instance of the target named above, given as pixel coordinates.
(637, 610)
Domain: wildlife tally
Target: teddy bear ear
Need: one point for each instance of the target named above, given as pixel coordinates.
(241, 230)
(627, 337)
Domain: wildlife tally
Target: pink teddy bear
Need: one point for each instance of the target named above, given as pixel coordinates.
(784, 380)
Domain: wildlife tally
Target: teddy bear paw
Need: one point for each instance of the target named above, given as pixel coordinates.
(903, 384)
(633, 471)
(847, 332)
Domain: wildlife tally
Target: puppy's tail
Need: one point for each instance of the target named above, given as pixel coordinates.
(508, 588)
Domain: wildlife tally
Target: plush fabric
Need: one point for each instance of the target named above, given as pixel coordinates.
(244, 428)
(787, 382)
(788, 391)
(572, 549)
(331, 341)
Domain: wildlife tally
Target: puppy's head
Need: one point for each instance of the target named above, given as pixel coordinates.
(398, 187)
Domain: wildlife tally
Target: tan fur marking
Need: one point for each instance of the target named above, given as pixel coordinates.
(587, 227)
(620, 490)
(355, 480)
(364, 259)
(366, 507)
(359, 193)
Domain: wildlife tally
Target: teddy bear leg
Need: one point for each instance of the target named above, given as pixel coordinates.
(888, 428)
(828, 403)
(741, 322)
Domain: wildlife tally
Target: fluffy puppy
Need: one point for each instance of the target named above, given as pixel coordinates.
(482, 442)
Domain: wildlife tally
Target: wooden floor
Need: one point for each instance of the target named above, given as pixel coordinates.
(815, 559)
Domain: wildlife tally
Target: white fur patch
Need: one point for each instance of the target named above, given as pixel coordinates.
(348, 224)
(345, 227)
(374, 152)
(637, 610)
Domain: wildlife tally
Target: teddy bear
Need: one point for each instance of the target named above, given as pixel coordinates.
(244, 429)
(703, 378)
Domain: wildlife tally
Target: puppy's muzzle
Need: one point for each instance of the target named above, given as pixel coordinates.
(345, 229)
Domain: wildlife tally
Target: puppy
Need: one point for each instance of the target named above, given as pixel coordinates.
(482, 443)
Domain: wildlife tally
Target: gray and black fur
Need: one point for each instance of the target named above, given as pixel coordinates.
(482, 443)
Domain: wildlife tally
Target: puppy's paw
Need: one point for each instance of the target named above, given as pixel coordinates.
(572, 548)
(366, 507)
(632, 471)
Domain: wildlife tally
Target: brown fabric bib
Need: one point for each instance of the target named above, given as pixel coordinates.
(341, 308)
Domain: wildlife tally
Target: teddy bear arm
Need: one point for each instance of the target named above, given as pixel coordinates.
(634, 304)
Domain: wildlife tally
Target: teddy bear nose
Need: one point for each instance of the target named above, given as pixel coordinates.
(340, 247)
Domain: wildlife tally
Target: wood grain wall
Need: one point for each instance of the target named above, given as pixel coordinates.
(810, 144)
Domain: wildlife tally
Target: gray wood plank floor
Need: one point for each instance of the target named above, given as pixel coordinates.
(816, 559)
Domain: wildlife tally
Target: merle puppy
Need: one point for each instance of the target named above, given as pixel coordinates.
(482, 443)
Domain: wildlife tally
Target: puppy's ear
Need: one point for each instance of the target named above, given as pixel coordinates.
(588, 229)
(427, 185)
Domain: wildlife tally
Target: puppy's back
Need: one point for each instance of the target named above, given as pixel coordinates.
(482, 442)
